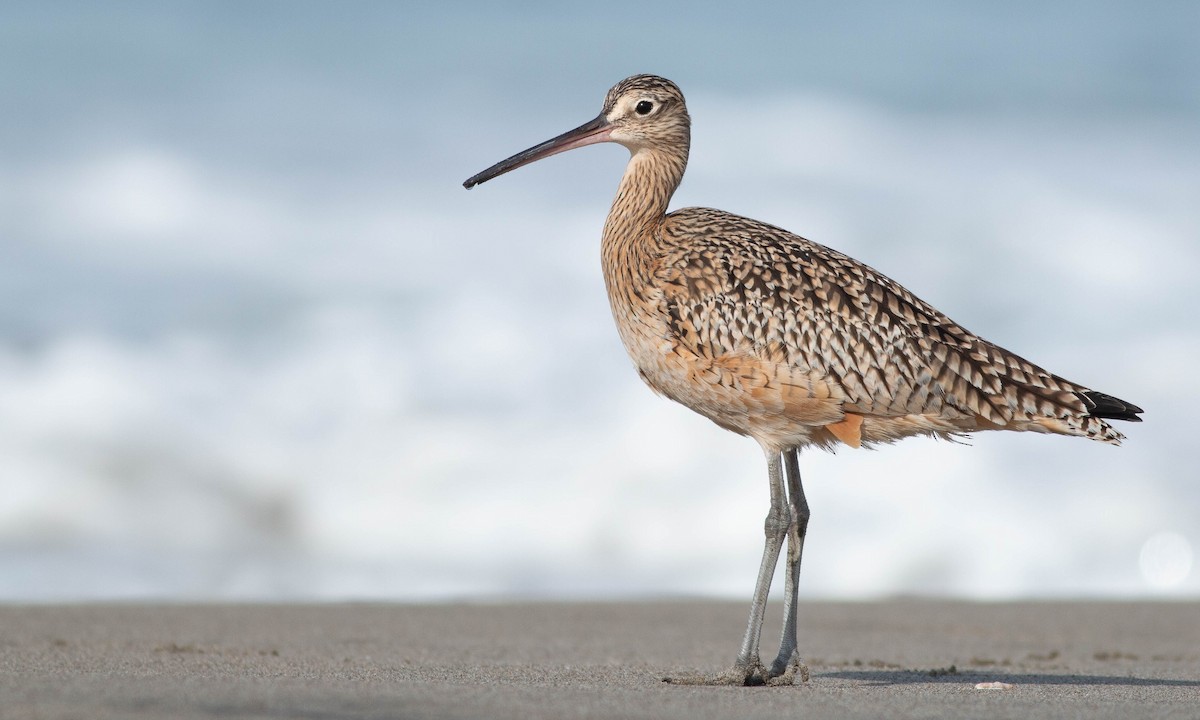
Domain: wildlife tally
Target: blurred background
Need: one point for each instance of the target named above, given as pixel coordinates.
(256, 341)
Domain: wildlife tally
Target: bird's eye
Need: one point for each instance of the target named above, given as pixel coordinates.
(644, 107)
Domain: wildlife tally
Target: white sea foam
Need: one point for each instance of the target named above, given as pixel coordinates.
(220, 378)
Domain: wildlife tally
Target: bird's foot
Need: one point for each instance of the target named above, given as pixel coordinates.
(786, 671)
(746, 674)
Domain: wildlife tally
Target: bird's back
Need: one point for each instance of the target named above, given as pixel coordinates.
(783, 339)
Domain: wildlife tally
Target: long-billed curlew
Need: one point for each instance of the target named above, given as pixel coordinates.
(789, 342)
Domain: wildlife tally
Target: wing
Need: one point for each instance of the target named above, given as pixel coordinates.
(736, 287)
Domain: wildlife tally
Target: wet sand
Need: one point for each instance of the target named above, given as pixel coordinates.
(595, 660)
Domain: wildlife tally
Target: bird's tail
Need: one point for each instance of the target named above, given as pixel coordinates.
(1091, 423)
(1102, 405)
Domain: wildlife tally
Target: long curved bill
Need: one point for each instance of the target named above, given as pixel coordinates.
(589, 133)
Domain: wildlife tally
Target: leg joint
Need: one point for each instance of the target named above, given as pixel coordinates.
(801, 513)
(779, 519)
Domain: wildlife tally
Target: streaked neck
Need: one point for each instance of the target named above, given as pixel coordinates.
(650, 180)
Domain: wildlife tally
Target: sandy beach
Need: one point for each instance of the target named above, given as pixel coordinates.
(604, 660)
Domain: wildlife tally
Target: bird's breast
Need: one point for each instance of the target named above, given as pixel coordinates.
(750, 391)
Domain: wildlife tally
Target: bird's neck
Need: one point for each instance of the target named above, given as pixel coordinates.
(646, 188)
(632, 245)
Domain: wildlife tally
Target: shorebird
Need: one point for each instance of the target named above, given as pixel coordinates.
(787, 341)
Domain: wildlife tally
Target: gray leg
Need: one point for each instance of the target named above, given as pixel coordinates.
(748, 665)
(748, 670)
(787, 663)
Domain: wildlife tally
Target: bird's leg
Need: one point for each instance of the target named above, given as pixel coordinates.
(748, 666)
(787, 664)
(748, 669)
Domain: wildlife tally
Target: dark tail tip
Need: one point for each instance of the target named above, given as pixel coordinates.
(1102, 405)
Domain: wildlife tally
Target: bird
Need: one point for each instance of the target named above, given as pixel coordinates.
(789, 342)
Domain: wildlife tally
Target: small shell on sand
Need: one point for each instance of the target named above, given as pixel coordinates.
(993, 686)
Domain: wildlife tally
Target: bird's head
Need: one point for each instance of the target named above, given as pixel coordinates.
(640, 112)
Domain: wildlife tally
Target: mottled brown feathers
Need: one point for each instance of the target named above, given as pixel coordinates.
(732, 284)
(777, 337)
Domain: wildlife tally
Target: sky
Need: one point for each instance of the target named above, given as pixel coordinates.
(257, 343)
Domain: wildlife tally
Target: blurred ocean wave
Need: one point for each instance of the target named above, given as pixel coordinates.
(256, 341)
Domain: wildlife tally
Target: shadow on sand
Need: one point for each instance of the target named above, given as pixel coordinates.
(914, 677)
